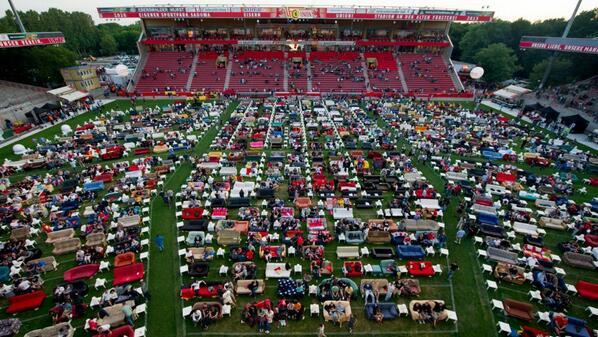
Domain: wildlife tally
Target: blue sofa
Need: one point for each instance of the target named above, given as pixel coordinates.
(389, 310)
(488, 219)
(93, 186)
(411, 252)
(354, 237)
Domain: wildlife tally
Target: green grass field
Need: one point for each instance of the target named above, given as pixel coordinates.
(466, 293)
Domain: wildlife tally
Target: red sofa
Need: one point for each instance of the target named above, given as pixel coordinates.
(104, 177)
(353, 269)
(81, 272)
(204, 291)
(25, 302)
(141, 150)
(415, 268)
(121, 331)
(127, 274)
(192, 213)
(591, 240)
(124, 259)
(587, 290)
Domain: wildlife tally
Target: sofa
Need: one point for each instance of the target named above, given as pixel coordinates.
(203, 253)
(353, 269)
(502, 272)
(229, 237)
(587, 290)
(241, 287)
(575, 327)
(354, 237)
(19, 233)
(60, 235)
(95, 239)
(66, 246)
(378, 237)
(124, 259)
(10, 327)
(190, 241)
(129, 273)
(52, 330)
(552, 223)
(501, 255)
(347, 252)
(490, 230)
(413, 225)
(518, 309)
(378, 284)
(238, 202)
(346, 305)
(115, 317)
(48, 263)
(410, 252)
(121, 331)
(389, 310)
(19, 303)
(383, 252)
(210, 305)
(85, 271)
(579, 260)
(129, 220)
(277, 270)
(443, 315)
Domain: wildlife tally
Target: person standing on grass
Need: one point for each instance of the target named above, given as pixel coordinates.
(321, 331)
(160, 242)
(452, 269)
(351, 323)
(460, 235)
(144, 290)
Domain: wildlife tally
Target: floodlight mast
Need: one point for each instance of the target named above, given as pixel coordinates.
(17, 17)
(565, 33)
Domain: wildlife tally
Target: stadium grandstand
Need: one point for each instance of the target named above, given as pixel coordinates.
(18, 100)
(251, 50)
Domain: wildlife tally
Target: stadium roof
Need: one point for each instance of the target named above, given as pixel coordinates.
(294, 13)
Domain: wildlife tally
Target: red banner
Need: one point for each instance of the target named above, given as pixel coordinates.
(31, 42)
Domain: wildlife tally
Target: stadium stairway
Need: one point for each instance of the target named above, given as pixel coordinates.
(192, 72)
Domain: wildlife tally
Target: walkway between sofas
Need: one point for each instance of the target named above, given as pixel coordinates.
(165, 312)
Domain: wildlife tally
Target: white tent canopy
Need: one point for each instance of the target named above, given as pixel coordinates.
(68, 93)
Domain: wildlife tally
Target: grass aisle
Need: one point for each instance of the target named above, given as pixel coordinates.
(165, 311)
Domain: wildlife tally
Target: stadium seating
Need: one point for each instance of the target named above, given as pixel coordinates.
(426, 74)
(335, 72)
(207, 76)
(257, 71)
(165, 69)
(386, 75)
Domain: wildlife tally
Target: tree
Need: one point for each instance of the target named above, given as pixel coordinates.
(559, 74)
(479, 36)
(108, 45)
(499, 62)
(36, 65)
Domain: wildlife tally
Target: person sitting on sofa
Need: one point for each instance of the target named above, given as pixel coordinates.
(378, 315)
(253, 286)
(439, 307)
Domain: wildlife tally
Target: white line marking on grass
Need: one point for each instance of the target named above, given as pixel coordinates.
(361, 333)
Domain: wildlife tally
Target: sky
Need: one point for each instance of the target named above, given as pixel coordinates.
(504, 9)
